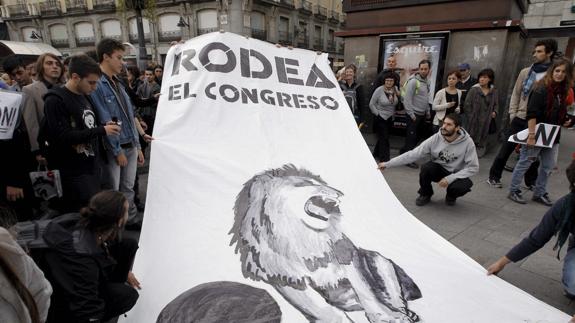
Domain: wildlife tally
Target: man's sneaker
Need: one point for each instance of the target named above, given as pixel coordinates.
(516, 197)
(543, 199)
(421, 200)
(450, 200)
(494, 183)
(412, 165)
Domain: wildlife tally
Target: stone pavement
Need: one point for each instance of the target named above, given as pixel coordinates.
(485, 224)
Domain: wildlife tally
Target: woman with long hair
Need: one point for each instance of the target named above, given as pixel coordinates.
(447, 100)
(547, 104)
(481, 109)
(559, 220)
(88, 264)
(24, 291)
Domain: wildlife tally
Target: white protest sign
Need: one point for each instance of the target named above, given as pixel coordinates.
(9, 113)
(264, 204)
(545, 135)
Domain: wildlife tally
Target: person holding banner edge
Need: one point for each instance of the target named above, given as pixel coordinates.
(453, 161)
(558, 220)
(547, 104)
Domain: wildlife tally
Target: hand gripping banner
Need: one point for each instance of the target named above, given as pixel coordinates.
(265, 205)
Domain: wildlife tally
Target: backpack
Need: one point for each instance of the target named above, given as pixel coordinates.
(350, 95)
(404, 87)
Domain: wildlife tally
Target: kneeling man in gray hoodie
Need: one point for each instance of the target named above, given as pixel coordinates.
(453, 161)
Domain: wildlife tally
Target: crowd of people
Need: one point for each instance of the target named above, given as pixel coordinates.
(88, 117)
(91, 116)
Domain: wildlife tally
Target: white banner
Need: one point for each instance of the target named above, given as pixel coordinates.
(265, 205)
(9, 113)
(545, 135)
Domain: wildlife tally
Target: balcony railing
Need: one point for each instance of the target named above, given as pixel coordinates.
(50, 7)
(17, 10)
(85, 41)
(202, 31)
(285, 38)
(318, 44)
(134, 37)
(287, 3)
(169, 36)
(116, 37)
(60, 43)
(260, 34)
(104, 4)
(305, 7)
(320, 12)
(334, 16)
(76, 5)
(303, 41)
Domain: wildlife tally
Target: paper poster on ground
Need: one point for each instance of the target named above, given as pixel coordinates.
(264, 204)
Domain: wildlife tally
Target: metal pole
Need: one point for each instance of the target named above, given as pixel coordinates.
(142, 55)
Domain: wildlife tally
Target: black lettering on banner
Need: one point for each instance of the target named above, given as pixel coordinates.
(246, 65)
(317, 79)
(187, 60)
(7, 117)
(209, 94)
(324, 100)
(266, 96)
(187, 93)
(224, 95)
(298, 101)
(313, 100)
(174, 92)
(283, 71)
(283, 98)
(252, 95)
(222, 68)
(176, 66)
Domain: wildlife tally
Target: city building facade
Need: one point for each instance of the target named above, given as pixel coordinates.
(74, 26)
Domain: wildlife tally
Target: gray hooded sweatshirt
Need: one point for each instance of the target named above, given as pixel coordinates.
(416, 100)
(457, 157)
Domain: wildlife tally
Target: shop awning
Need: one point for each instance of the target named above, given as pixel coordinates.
(26, 48)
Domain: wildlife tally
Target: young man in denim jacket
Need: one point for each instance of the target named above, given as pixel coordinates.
(113, 104)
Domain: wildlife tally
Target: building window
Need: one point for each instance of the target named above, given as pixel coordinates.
(31, 34)
(134, 30)
(302, 35)
(317, 38)
(85, 34)
(111, 29)
(59, 36)
(258, 25)
(284, 37)
(207, 21)
(168, 28)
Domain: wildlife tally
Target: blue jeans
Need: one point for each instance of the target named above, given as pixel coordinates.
(569, 272)
(122, 179)
(548, 159)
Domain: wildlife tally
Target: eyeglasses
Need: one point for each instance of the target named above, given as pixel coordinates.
(464, 70)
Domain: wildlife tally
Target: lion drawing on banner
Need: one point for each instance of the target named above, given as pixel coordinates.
(288, 234)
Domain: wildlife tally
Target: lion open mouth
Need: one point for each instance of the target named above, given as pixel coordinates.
(321, 207)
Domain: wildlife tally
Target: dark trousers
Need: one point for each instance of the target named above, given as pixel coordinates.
(415, 131)
(381, 149)
(433, 172)
(119, 297)
(77, 191)
(507, 149)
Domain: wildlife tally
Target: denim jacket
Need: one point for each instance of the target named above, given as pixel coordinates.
(107, 104)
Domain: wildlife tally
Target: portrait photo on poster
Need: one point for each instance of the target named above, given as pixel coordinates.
(287, 232)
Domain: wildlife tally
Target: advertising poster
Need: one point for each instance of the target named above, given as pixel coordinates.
(264, 204)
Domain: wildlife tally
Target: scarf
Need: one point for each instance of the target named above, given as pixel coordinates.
(556, 96)
(390, 95)
(562, 227)
(532, 76)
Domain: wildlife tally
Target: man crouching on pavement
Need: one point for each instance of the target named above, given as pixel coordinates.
(453, 161)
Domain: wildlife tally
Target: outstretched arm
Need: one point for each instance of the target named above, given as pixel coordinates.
(312, 305)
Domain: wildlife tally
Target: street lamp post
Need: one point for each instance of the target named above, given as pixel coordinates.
(138, 6)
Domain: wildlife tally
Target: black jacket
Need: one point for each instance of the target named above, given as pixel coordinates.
(77, 267)
(16, 161)
(72, 131)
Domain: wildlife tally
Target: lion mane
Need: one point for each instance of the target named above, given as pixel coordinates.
(274, 244)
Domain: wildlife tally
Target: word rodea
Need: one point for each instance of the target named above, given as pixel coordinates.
(285, 70)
